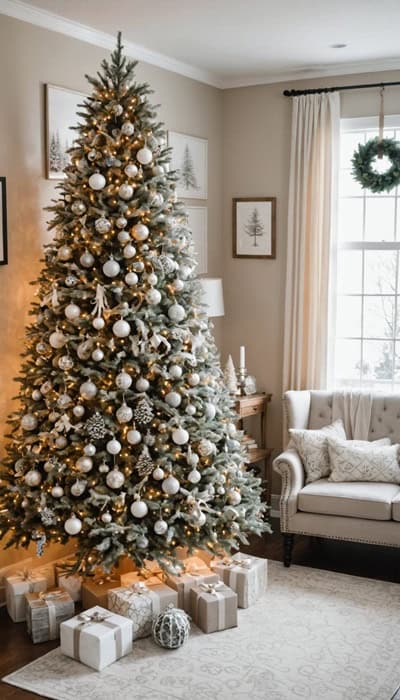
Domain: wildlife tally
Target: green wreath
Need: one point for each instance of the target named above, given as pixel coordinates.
(364, 173)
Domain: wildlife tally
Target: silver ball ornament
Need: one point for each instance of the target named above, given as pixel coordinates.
(131, 278)
(125, 191)
(89, 450)
(160, 527)
(72, 312)
(144, 156)
(170, 485)
(71, 281)
(140, 232)
(142, 384)
(152, 278)
(175, 372)
(194, 476)
(78, 207)
(153, 297)
(158, 474)
(131, 170)
(190, 409)
(123, 236)
(139, 509)
(33, 478)
(194, 379)
(78, 411)
(113, 447)
(98, 323)
(121, 329)
(123, 380)
(102, 225)
(127, 129)
(64, 253)
(133, 437)
(86, 259)
(29, 421)
(234, 498)
(84, 464)
(176, 313)
(73, 525)
(129, 251)
(57, 491)
(78, 487)
(106, 518)
(63, 401)
(121, 222)
(142, 542)
(178, 285)
(210, 411)
(173, 399)
(36, 395)
(124, 414)
(180, 436)
(65, 362)
(57, 340)
(97, 181)
(111, 268)
(97, 355)
(115, 479)
(88, 390)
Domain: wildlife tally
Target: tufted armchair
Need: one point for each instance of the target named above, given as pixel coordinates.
(355, 511)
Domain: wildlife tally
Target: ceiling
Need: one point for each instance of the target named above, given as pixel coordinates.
(234, 42)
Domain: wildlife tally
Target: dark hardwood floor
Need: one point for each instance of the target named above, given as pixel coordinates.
(382, 563)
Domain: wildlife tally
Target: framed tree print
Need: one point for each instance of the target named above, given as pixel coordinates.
(189, 159)
(254, 227)
(61, 113)
(197, 222)
(3, 222)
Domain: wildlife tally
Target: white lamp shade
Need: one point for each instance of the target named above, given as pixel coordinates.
(213, 296)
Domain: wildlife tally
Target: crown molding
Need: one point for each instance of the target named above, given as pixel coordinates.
(333, 69)
(48, 20)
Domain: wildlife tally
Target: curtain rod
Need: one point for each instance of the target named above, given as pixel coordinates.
(314, 91)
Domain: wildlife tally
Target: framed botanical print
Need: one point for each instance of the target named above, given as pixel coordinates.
(3, 222)
(254, 227)
(61, 114)
(189, 159)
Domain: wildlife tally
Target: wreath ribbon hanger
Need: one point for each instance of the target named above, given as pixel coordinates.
(381, 122)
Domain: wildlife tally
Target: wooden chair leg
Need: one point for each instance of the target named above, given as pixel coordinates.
(288, 541)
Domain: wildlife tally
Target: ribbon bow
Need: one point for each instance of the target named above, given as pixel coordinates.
(212, 588)
(96, 616)
(51, 595)
(27, 575)
(244, 563)
(140, 588)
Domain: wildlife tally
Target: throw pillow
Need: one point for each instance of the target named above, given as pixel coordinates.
(364, 462)
(312, 446)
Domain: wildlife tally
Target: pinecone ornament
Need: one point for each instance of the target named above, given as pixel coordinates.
(144, 465)
(144, 412)
(95, 427)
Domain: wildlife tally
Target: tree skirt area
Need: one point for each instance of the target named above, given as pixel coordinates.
(315, 634)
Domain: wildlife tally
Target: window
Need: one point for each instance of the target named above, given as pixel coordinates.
(366, 343)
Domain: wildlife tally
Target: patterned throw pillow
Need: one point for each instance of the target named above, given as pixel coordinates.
(364, 462)
(312, 446)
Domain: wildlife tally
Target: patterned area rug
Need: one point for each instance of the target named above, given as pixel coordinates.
(315, 634)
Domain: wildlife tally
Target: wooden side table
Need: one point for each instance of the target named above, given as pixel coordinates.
(253, 405)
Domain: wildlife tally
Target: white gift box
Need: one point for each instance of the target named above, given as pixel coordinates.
(17, 586)
(96, 637)
(140, 603)
(246, 575)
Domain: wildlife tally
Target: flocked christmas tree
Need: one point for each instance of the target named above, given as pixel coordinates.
(125, 438)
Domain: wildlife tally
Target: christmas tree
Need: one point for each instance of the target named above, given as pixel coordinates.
(254, 227)
(125, 436)
(188, 176)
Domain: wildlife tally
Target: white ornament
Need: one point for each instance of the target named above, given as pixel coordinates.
(113, 446)
(84, 464)
(61, 442)
(97, 355)
(111, 268)
(33, 478)
(98, 323)
(78, 207)
(173, 399)
(29, 421)
(106, 518)
(72, 312)
(153, 297)
(158, 170)
(180, 436)
(73, 525)
(36, 395)
(64, 253)
(142, 542)
(142, 384)
(115, 479)
(78, 487)
(194, 476)
(124, 414)
(57, 492)
(152, 278)
(97, 181)
(64, 400)
(57, 340)
(199, 519)
(78, 411)
(176, 313)
(139, 509)
(71, 281)
(88, 390)
(175, 372)
(210, 411)
(190, 409)
(140, 232)
(133, 437)
(160, 527)
(48, 466)
(170, 485)
(125, 191)
(104, 468)
(86, 259)
(102, 225)
(158, 474)
(129, 251)
(144, 156)
(193, 379)
(121, 222)
(65, 362)
(231, 429)
(131, 278)
(123, 237)
(178, 285)
(121, 329)
(131, 170)
(123, 380)
(205, 448)
(89, 450)
(193, 459)
(127, 129)
(234, 498)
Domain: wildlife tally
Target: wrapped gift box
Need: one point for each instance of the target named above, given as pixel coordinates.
(152, 568)
(45, 612)
(141, 602)
(214, 606)
(195, 571)
(72, 583)
(94, 591)
(17, 586)
(96, 637)
(48, 571)
(246, 575)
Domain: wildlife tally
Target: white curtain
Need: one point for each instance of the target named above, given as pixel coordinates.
(311, 231)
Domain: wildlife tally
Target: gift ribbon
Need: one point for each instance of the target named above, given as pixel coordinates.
(141, 589)
(93, 619)
(214, 589)
(29, 576)
(50, 600)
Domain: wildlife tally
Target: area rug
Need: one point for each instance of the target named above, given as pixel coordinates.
(315, 635)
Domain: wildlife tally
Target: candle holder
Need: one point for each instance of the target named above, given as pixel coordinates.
(241, 376)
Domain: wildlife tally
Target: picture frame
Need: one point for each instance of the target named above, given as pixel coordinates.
(254, 227)
(3, 222)
(61, 114)
(189, 158)
(197, 223)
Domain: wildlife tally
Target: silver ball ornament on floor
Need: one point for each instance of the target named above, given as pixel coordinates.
(171, 628)
(73, 525)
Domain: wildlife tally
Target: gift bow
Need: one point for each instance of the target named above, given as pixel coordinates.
(243, 563)
(212, 588)
(28, 575)
(51, 595)
(140, 588)
(95, 616)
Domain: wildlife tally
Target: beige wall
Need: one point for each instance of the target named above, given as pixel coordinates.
(257, 124)
(29, 58)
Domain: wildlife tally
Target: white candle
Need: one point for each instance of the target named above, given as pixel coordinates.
(242, 363)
